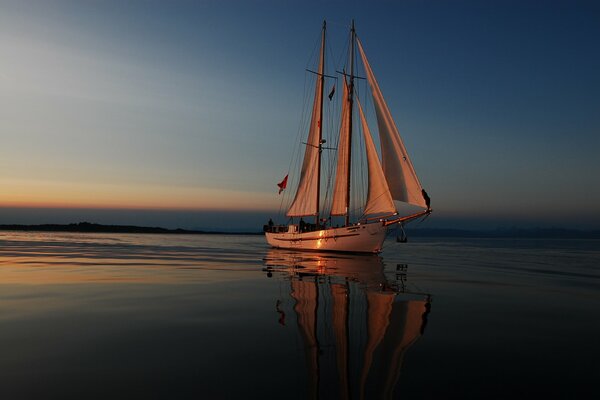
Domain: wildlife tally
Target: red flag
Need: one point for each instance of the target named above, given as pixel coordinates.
(283, 184)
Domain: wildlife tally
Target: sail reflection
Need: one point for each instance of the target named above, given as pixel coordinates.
(355, 320)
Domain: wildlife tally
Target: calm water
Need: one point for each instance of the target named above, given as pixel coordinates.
(166, 316)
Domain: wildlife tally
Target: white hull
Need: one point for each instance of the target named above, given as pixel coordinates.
(366, 238)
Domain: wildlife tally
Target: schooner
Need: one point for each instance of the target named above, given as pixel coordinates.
(393, 178)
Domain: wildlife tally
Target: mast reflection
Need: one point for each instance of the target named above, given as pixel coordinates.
(354, 319)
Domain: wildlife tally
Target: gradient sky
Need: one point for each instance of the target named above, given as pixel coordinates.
(175, 108)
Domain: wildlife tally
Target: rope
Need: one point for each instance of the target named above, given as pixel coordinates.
(423, 219)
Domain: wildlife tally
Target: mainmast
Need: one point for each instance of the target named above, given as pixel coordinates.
(350, 104)
(322, 78)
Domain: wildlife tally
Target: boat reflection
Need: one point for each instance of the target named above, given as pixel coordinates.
(356, 322)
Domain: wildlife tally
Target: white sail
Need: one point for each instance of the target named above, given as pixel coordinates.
(399, 171)
(306, 199)
(340, 191)
(379, 199)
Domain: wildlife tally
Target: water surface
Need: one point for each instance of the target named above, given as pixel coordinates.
(211, 316)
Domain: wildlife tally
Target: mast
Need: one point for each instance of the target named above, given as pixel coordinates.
(350, 103)
(322, 78)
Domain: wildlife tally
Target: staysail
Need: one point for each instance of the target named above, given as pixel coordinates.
(379, 199)
(340, 192)
(306, 201)
(399, 171)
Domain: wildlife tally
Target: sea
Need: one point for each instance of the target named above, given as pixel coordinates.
(148, 316)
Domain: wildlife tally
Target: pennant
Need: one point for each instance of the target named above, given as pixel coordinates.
(283, 184)
(332, 93)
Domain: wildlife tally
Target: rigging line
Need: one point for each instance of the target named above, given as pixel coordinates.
(295, 150)
(423, 219)
(332, 135)
(334, 157)
(325, 75)
(280, 205)
(355, 210)
(327, 168)
(370, 110)
(388, 233)
(329, 59)
(362, 171)
(300, 123)
(355, 173)
(315, 50)
(354, 76)
(337, 23)
(365, 170)
(345, 54)
(329, 164)
(364, 93)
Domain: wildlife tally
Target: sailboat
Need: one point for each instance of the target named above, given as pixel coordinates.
(393, 178)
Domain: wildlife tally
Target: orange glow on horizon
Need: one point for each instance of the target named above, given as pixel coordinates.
(28, 194)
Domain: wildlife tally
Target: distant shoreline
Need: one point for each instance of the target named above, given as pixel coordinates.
(88, 227)
(535, 233)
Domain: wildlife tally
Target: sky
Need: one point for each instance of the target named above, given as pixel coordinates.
(185, 113)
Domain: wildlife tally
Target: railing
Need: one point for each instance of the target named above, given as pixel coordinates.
(275, 228)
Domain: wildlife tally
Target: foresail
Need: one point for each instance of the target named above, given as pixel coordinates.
(399, 171)
(379, 199)
(340, 191)
(306, 199)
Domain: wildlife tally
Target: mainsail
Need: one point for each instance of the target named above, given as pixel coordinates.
(306, 201)
(399, 171)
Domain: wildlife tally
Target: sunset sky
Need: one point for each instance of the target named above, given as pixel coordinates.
(183, 113)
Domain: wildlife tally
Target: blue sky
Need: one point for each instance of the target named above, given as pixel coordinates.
(195, 105)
